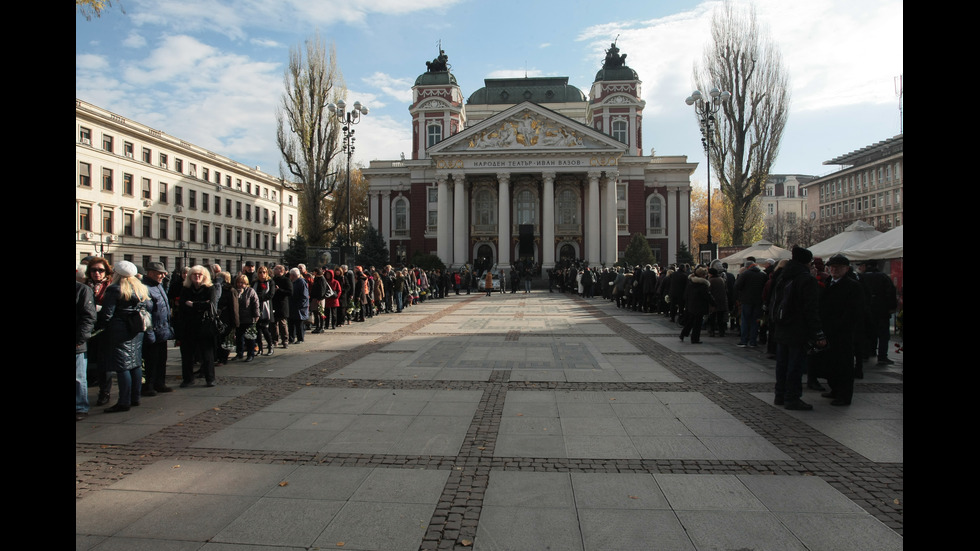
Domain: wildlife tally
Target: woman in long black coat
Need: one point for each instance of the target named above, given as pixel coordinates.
(121, 321)
(697, 301)
(197, 312)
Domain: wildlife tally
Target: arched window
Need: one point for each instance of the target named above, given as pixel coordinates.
(486, 209)
(566, 207)
(655, 215)
(400, 216)
(527, 207)
(620, 130)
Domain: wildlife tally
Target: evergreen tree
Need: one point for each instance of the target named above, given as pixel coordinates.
(296, 253)
(374, 250)
(638, 252)
(427, 261)
(684, 255)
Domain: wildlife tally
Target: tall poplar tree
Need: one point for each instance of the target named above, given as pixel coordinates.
(307, 135)
(742, 59)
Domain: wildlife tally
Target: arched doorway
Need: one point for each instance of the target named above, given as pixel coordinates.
(484, 258)
(567, 253)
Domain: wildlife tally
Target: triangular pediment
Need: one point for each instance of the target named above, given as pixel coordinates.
(528, 128)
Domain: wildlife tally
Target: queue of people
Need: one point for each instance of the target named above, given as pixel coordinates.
(126, 316)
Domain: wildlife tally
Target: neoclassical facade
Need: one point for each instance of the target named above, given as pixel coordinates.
(145, 196)
(531, 170)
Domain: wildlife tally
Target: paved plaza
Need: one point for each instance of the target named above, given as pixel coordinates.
(513, 422)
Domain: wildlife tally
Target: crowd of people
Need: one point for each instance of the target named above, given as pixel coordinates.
(126, 315)
(822, 320)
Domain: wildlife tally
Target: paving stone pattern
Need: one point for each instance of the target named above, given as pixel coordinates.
(588, 426)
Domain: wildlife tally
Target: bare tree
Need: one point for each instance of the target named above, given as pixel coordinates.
(743, 60)
(306, 133)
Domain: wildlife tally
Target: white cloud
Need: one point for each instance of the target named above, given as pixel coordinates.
(515, 73)
(134, 40)
(398, 88)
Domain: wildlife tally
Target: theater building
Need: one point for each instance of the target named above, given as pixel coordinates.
(530, 170)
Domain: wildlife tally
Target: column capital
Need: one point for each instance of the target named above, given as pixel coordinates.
(503, 177)
(594, 175)
(612, 175)
(442, 177)
(550, 175)
(385, 193)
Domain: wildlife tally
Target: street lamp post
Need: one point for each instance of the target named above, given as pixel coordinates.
(706, 108)
(347, 120)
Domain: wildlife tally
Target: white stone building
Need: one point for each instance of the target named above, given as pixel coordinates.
(143, 195)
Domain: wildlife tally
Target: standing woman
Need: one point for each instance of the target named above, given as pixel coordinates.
(98, 275)
(488, 282)
(299, 307)
(265, 289)
(155, 341)
(198, 334)
(697, 300)
(120, 318)
(332, 307)
(248, 315)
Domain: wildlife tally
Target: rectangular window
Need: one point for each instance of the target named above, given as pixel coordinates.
(178, 196)
(107, 143)
(217, 235)
(127, 184)
(163, 160)
(248, 239)
(238, 210)
(217, 177)
(145, 190)
(85, 218)
(228, 181)
(84, 175)
(205, 202)
(106, 179)
(179, 230)
(192, 232)
(290, 222)
(192, 169)
(265, 216)
(205, 233)
(107, 225)
(163, 192)
(273, 218)
(228, 236)
(434, 134)
(128, 149)
(217, 204)
(228, 207)
(248, 187)
(84, 135)
(147, 225)
(147, 154)
(238, 238)
(163, 228)
(192, 199)
(248, 213)
(205, 174)
(179, 165)
(238, 183)
(129, 220)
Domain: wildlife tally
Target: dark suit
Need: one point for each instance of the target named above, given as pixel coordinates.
(841, 312)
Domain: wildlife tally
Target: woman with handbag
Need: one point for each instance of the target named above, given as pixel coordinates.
(199, 325)
(334, 312)
(124, 325)
(248, 315)
(265, 289)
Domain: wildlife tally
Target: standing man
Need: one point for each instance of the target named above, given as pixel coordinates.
(155, 341)
(841, 312)
(84, 323)
(884, 302)
(798, 328)
(748, 288)
(249, 271)
(280, 304)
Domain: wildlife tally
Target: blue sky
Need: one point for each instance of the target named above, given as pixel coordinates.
(211, 71)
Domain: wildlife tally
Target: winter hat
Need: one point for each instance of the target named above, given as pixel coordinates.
(838, 260)
(125, 268)
(801, 255)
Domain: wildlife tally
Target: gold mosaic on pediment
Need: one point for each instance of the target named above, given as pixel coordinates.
(524, 130)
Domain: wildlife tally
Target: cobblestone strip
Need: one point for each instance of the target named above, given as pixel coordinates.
(880, 495)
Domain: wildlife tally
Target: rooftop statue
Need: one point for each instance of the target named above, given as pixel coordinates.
(613, 59)
(439, 64)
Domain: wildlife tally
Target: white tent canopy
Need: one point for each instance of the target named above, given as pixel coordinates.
(883, 247)
(853, 235)
(761, 250)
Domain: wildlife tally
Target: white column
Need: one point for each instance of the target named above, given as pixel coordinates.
(593, 235)
(443, 247)
(610, 224)
(385, 228)
(503, 220)
(548, 222)
(460, 235)
(672, 225)
(684, 215)
(373, 198)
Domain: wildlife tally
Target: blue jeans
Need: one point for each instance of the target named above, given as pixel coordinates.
(81, 383)
(790, 364)
(130, 385)
(750, 324)
(527, 285)
(398, 300)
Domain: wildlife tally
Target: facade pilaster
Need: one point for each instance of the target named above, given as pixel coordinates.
(672, 225)
(385, 228)
(443, 246)
(610, 224)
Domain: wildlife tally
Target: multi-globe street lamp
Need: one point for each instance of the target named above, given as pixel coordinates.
(706, 108)
(347, 120)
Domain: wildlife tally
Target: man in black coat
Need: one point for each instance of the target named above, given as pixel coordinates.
(884, 301)
(280, 303)
(748, 289)
(798, 328)
(841, 310)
